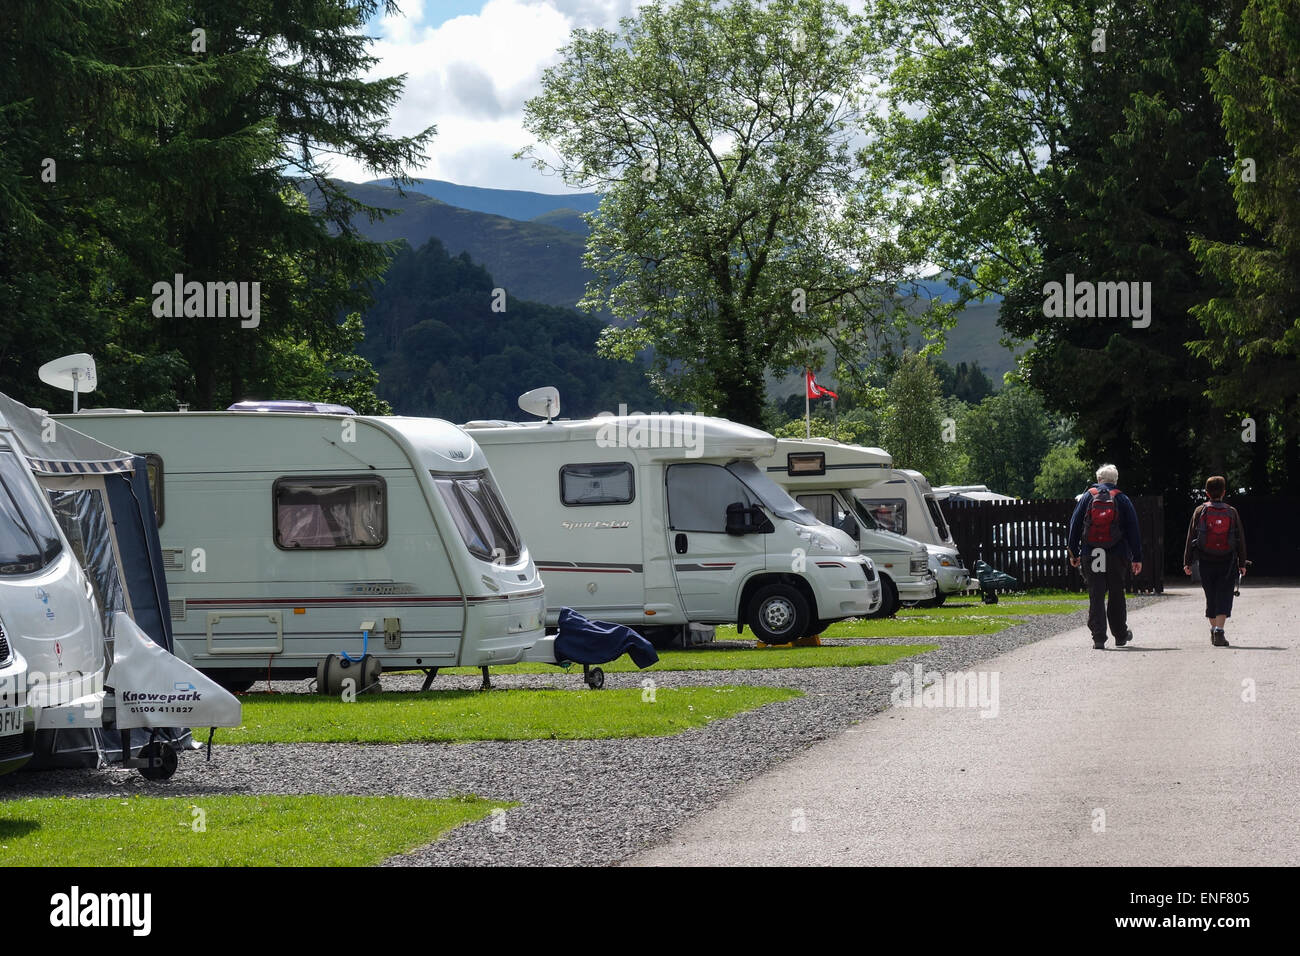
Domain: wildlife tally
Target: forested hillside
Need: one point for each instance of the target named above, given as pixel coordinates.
(534, 261)
(441, 350)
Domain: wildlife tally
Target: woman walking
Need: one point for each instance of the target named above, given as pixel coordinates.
(1216, 540)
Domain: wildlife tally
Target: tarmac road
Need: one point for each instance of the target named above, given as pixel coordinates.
(1167, 752)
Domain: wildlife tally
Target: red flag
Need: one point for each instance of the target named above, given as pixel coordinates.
(817, 391)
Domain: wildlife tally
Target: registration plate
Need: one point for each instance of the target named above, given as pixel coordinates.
(11, 722)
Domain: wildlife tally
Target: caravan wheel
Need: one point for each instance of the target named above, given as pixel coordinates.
(888, 598)
(160, 760)
(778, 614)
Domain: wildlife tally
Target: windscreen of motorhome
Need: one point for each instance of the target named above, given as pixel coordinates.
(777, 500)
(936, 514)
(890, 513)
(317, 513)
(28, 538)
(480, 516)
(699, 493)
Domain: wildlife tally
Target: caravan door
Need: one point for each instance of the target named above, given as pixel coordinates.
(708, 562)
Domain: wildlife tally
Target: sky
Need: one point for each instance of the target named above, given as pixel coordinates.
(470, 66)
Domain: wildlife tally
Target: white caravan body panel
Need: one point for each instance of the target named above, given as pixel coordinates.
(623, 516)
(283, 534)
(820, 474)
(901, 500)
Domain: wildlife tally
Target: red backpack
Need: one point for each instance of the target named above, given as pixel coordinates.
(1215, 536)
(1101, 524)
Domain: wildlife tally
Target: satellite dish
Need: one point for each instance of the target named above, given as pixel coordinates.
(543, 402)
(72, 373)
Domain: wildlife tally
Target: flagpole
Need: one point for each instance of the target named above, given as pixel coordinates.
(807, 404)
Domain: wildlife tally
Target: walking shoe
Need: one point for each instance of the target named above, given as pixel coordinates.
(1099, 645)
(1128, 636)
(1218, 638)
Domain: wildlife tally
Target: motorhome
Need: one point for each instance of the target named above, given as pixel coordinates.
(901, 500)
(820, 474)
(297, 539)
(665, 522)
(962, 494)
(85, 647)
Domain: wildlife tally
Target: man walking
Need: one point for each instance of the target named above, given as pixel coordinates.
(1104, 542)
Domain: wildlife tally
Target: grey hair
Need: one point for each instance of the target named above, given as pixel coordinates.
(1108, 474)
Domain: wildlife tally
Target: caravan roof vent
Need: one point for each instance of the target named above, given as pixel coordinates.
(317, 408)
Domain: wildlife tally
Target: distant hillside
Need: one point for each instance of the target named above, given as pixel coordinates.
(534, 261)
(441, 351)
(569, 219)
(976, 336)
(541, 261)
(975, 339)
(512, 203)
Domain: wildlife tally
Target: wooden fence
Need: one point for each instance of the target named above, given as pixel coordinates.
(1027, 539)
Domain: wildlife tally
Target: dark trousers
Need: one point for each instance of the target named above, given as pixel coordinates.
(1218, 578)
(1106, 591)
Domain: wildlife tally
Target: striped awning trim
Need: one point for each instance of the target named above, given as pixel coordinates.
(47, 466)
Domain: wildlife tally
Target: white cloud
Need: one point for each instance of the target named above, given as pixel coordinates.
(470, 76)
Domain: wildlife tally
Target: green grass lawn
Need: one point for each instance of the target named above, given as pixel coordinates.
(708, 658)
(235, 830)
(927, 626)
(1006, 607)
(1050, 594)
(456, 715)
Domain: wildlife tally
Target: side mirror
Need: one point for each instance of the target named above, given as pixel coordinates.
(747, 520)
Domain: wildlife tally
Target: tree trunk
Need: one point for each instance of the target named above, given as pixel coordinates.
(741, 380)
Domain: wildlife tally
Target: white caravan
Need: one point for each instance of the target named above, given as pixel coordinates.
(79, 585)
(297, 542)
(962, 493)
(821, 473)
(662, 522)
(901, 500)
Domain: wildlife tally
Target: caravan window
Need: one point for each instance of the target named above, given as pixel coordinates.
(321, 513)
(28, 538)
(480, 516)
(609, 483)
(153, 466)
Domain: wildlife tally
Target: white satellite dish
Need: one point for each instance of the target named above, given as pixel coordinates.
(543, 402)
(72, 373)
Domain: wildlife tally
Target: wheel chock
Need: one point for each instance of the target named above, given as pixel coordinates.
(814, 641)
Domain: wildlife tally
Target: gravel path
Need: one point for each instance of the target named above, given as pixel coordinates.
(581, 802)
